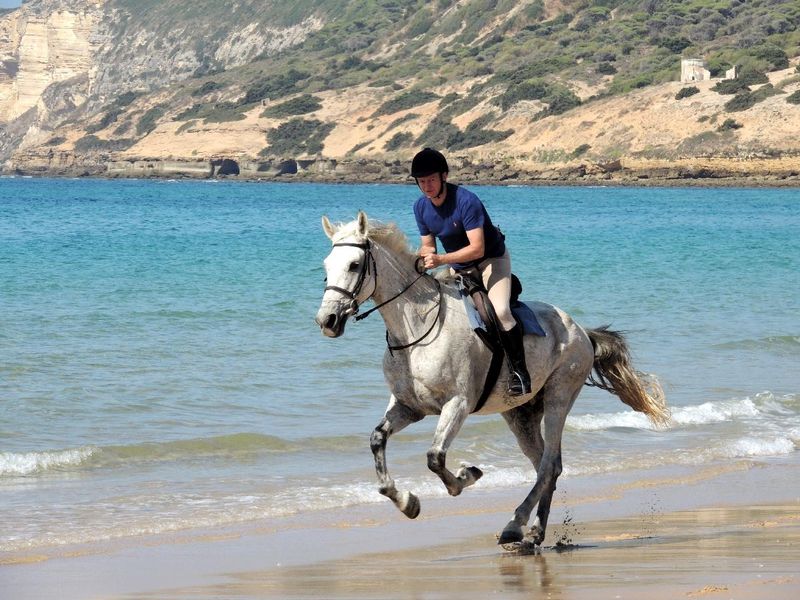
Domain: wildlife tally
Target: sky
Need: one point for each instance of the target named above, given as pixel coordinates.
(9, 3)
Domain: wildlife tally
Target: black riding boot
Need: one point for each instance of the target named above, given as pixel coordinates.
(519, 382)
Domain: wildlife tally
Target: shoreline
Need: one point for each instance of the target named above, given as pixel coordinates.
(759, 182)
(713, 172)
(667, 533)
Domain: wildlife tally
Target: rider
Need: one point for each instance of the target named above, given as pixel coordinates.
(459, 220)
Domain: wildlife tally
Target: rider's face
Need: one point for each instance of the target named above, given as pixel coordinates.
(431, 185)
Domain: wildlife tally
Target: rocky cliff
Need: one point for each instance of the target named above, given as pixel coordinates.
(62, 60)
(349, 89)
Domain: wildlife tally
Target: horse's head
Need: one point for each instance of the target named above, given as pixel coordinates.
(350, 273)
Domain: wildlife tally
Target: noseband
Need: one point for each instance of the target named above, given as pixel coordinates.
(362, 275)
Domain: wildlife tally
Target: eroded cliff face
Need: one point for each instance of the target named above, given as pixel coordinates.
(62, 60)
(40, 44)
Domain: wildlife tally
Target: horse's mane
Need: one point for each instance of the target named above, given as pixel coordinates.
(390, 237)
(387, 235)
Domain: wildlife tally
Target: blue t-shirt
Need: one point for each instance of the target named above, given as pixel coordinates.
(462, 211)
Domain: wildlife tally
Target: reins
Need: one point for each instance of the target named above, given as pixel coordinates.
(363, 272)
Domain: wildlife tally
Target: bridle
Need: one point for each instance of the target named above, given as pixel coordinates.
(362, 275)
(353, 294)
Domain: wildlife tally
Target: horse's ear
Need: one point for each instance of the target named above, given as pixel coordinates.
(328, 227)
(362, 222)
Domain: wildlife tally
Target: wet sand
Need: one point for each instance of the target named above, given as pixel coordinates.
(715, 552)
(729, 531)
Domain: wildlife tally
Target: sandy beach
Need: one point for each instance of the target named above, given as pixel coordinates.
(728, 531)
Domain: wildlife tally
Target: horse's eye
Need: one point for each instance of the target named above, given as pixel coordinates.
(353, 266)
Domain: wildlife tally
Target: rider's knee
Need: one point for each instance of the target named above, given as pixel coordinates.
(506, 317)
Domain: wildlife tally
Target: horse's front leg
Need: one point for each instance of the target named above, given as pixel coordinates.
(396, 418)
(452, 417)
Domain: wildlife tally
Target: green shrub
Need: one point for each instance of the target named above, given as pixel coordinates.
(123, 128)
(560, 100)
(448, 99)
(741, 101)
(405, 101)
(793, 98)
(125, 99)
(535, 89)
(224, 113)
(729, 125)
(208, 86)
(420, 23)
(149, 120)
(438, 132)
(298, 136)
(185, 127)
(275, 86)
(580, 150)
(401, 120)
(91, 143)
(745, 100)
(56, 141)
(686, 92)
(398, 140)
(624, 83)
(476, 134)
(606, 68)
(190, 113)
(730, 86)
(752, 76)
(107, 119)
(296, 106)
(676, 45)
(775, 56)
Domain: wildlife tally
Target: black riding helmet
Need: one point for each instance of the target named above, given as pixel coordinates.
(428, 161)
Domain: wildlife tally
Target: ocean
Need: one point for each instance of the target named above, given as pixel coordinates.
(161, 371)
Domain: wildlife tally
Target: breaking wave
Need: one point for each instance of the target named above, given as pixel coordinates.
(764, 405)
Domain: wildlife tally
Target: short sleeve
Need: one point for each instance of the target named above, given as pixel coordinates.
(472, 212)
(423, 228)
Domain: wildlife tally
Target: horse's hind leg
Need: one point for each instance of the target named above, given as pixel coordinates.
(396, 418)
(556, 403)
(525, 423)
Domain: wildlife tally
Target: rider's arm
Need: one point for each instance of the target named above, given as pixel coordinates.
(472, 251)
(428, 245)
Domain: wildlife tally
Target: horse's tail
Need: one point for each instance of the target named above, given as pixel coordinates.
(614, 373)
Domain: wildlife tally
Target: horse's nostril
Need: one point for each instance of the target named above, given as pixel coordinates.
(330, 322)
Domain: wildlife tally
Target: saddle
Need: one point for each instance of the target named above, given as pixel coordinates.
(484, 323)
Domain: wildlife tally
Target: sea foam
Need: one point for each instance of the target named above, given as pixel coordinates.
(27, 463)
(708, 412)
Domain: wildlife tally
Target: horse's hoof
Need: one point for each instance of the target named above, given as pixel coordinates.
(511, 534)
(475, 473)
(535, 536)
(409, 505)
(468, 475)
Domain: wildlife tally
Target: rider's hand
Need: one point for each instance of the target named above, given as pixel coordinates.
(431, 260)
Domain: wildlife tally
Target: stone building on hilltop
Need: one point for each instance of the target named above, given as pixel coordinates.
(694, 69)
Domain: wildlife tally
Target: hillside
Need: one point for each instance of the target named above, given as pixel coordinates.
(344, 89)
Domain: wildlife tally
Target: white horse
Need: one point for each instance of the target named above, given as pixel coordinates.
(437, 365)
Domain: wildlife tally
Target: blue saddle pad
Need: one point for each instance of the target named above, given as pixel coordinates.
(527, 317)
(521, 311)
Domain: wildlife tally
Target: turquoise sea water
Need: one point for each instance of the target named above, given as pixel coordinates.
(160, 369)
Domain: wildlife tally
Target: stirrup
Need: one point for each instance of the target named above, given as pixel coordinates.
(517, 384)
